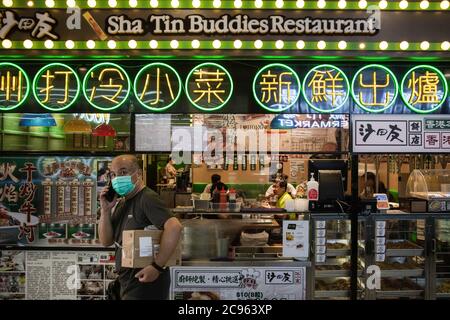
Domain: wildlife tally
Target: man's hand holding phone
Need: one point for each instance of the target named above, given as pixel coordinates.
(108, 198)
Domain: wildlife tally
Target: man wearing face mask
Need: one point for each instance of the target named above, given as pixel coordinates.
(137, 207)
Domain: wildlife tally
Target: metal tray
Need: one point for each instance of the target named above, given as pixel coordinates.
(404, 252)
(402, 273)
(338, 252)
(332, 294)
(443, 295)
(399, 293)
(332, 273)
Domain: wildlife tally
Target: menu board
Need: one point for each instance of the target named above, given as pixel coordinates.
(54, 275)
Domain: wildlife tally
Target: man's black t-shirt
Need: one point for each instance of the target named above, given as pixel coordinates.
(144, 209)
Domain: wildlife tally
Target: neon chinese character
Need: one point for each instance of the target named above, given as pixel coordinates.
(374, 86)
(44, 26)
(158, 86)
(107, 75)
(322, 86)
(424, 88)
(12, 84)
(272, 86)
(209, 83)
(49, 80)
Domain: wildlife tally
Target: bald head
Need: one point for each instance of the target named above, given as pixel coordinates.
(125, 165)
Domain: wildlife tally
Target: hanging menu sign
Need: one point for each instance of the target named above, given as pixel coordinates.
(401, 133)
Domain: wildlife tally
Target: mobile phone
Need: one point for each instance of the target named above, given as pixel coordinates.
(110, 195)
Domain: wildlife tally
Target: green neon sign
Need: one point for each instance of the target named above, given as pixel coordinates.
(12, 91)
(213, 89)
(325, 91)
(58, 76)
(106, 86)
(286, 81)
(157, 91)
(414, 96)
(389, 95)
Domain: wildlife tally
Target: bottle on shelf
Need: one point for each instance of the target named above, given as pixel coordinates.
(312, 189)
(232, 195)
(223, 198)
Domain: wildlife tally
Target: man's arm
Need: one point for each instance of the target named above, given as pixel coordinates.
(169, 240)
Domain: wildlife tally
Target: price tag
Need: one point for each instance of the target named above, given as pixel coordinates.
(381, 224)
(380, 257)
(320, 258)
(381, 232)
(381, 249)
(320, 249)
(320, 224)
(321, 241)
(380, 240)
(320, 233)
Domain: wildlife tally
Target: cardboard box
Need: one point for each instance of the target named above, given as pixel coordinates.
(139, 248)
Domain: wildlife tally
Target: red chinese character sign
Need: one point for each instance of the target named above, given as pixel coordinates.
(209, 86)
(157, 86)
(56, 86)
(276, 87)
(14, 86)
(326, 88)
(424, 89)
(374, 88)
(106, 86)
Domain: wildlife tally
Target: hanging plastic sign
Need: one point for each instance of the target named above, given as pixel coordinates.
(56, 86)
(106, 86)
(157, 86)
(276, 87)
(326, 88)
(14, 86)
(374, 88)
(209, 86)
(424, 89)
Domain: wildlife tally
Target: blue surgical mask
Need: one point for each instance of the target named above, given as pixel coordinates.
(123, 185)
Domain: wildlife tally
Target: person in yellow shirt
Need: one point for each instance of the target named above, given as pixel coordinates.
(282, 193)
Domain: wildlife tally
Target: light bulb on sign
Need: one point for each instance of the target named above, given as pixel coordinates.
(90, 44)
(258, 44)
(30, 3)
(92, 3)
(8, 3)
(424, 45)
(217, 3)
(154, 3)
(321, 4)
(404, 45)
(175, 3)
(445, 4)
(132, 3)
(237, 4)
(362, 46)
(383, 45)
(342, 45)
(258, 4)
(321, 45)
(300, 44)
(237, 44)
(279, 44)
(50, 3)
(445, 45)
(71, 3)
(48, 44)
(195, 44)
(279, 4)
(112, 44)
(196, 3)
(424, 4)
(132, 44)
(70, 44)
(112, 3)
(28, 44)
(403, 4)
(174, 44)
(362, 4)
(153, 44)
(342, 4)
(383, 4)
(217, 44)
(300, 4)
(7, 44)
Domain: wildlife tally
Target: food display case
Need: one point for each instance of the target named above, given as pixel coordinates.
(429, 190)
(440, 272)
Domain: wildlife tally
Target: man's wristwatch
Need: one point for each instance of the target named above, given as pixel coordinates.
(158, 267)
